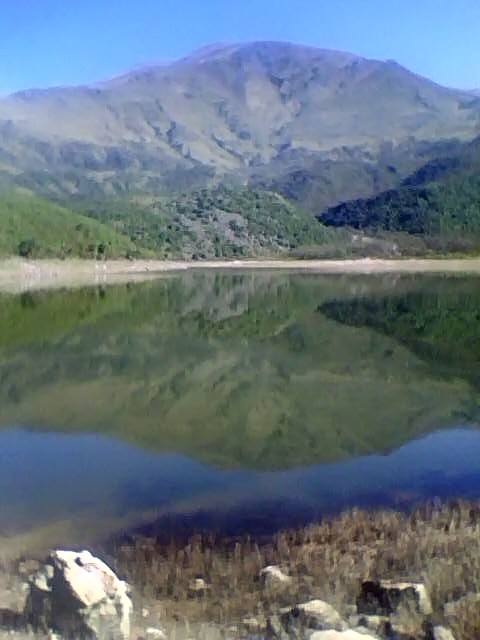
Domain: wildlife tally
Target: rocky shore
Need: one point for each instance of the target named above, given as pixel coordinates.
(74, 595)
(359, 576)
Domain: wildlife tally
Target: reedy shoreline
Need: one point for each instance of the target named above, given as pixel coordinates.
(436, 544)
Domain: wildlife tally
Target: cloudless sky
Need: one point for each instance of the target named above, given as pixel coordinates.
(51, 42)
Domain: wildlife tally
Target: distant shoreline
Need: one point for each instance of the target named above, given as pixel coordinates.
(18, 275)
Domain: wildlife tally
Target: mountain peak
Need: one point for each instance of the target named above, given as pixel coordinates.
(265, 49)
(247, 110)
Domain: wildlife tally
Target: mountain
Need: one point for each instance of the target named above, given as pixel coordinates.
(440, 202)
(316, 125)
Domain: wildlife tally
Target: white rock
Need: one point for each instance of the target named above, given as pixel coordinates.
(442, 633)
(273, 576)
(197, 587)
(155, 634)
(349, 634)
(315, 614)
(79, 596)
(198, 584)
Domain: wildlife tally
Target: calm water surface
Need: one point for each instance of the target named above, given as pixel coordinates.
(252, 400)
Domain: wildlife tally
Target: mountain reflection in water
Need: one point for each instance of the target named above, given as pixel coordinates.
(210, 388)
(48, 477)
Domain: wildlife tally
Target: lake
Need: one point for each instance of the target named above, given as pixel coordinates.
(245, 401)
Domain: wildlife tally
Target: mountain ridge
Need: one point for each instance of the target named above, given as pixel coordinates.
(237, 113)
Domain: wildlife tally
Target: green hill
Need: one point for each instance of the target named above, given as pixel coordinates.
(218, 222)
(440, 202)
(33, 227)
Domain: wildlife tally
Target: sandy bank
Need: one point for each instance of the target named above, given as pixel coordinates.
(22, 275)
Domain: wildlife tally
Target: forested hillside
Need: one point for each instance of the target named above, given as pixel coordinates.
(209, 223)
(440, 201)
(219, 222)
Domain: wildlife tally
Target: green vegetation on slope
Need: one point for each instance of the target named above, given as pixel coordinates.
(32, 227)
(441, 201)
(210, 223)
(318, 183)
(220, 222)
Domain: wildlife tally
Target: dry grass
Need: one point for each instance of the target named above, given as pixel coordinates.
(437, 544)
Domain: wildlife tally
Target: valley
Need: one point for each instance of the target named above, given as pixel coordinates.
(239, 327)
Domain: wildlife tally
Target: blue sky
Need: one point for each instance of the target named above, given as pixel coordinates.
(50, 42)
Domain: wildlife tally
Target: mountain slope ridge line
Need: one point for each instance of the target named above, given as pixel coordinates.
(254, 113)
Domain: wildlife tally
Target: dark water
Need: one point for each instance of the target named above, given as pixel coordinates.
(243, 401)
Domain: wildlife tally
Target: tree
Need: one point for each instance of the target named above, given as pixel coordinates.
(26, 248)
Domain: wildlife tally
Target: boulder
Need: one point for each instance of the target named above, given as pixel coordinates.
(315, 614)
(384, 597)
(80, 597)
(349, 634)
(273, 577)
(442, 633)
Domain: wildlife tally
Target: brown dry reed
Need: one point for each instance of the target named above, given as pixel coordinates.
(438, 544)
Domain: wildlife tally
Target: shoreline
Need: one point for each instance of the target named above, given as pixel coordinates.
(19, 275)
(206, 581)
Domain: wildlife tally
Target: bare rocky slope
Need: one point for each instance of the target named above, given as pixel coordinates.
(319, 126)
